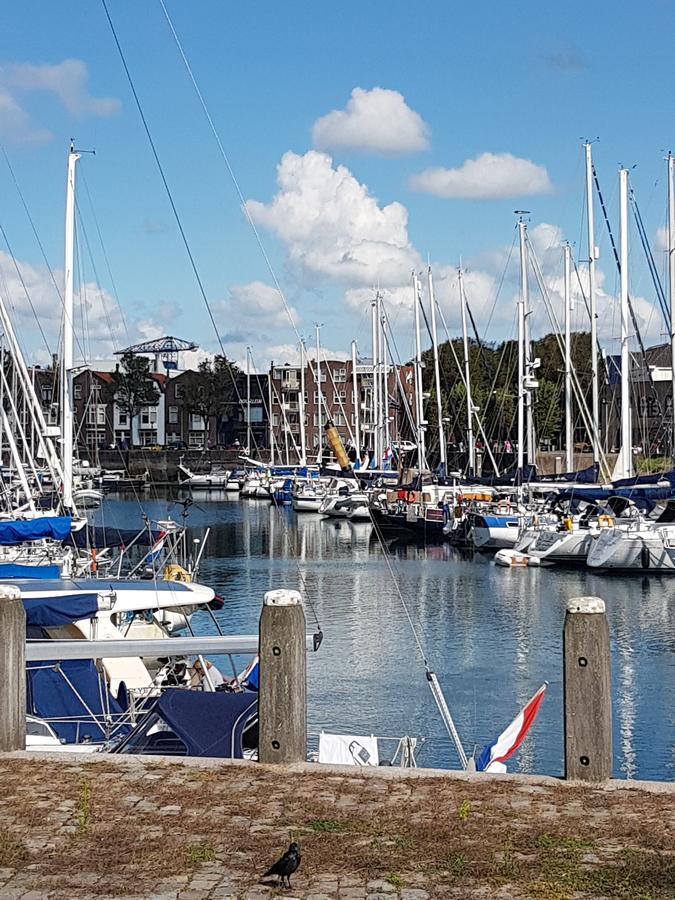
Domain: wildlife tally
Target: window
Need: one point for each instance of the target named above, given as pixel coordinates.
(277, 374)
(316, 421)
(338, 419)
(196, 440)
(77, 392)
(178, 391)
(340, 396)
(197, 422)
(148, 438)
(100, 414)
(173, 415)
(122, 417)
(275, 419)
(316, 398)
(47, 394)
(339, 375)
(149, 417)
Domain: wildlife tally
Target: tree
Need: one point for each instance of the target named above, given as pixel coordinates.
(213, 391)
(547, 410)
(132, 387)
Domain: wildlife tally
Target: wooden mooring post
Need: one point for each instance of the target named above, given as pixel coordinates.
(282, 698)
(587, 691)
(12, 670)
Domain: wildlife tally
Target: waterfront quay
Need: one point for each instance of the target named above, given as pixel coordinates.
(100, 826)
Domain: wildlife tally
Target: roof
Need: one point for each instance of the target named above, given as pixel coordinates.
(658, 356)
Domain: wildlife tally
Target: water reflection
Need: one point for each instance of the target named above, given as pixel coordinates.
(491, 635)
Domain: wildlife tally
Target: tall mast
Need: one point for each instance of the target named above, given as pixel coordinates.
(269, 407)
(626, 429)
(385, 380)
(419, 399)
(67, 334)
(319, 395)
(569, 432)
(671, 287)
(467, 379)
(376, 384)
(301, 407)
(248, 400)
(521, 348)
(356, 394)
(437, 377)
(592, 255)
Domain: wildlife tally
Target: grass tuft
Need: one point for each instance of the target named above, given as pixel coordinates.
(330, 826)
(83, 807)
(199, 853)
(13, 852)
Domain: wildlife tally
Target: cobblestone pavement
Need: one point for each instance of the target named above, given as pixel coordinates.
(111, 827)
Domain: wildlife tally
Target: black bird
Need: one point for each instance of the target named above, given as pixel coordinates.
(285, 866)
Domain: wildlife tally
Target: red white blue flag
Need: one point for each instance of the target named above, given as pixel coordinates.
(156, 548)
(495, 754)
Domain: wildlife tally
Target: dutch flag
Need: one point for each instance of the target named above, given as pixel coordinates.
(496, 753)
(156, 549)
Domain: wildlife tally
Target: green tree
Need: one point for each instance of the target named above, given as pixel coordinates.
(132, 388)
(547, 410)
(213, 392)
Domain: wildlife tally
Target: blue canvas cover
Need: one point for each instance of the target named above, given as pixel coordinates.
(14, 570)
(208, 723)
(50, 696)
(52, 612)
(16, 532)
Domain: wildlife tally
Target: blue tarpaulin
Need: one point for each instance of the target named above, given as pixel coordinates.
(71, 689)
(51, 612)
(13, 570)
(18, 531)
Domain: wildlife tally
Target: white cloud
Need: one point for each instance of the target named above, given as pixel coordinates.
(491, 176)
(377, 121)
(256, 305)
(66, 81)
(332, 227)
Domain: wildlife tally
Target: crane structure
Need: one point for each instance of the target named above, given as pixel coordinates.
(165, 351)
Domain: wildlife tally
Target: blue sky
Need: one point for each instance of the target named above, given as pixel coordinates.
(455, 83)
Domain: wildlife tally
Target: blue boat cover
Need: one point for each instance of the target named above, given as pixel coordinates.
(14, 570)
(71, 689)
(51, 612)
(18, 531)
(210, 723)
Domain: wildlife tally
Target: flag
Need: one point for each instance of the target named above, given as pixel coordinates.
(156, 549)
(493, 755)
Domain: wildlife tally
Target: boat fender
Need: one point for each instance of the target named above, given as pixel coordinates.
(645, 556)
(605, 521)
(504, 507)
(176, 573)
(410, 496)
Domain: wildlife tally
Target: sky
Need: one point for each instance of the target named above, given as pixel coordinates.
(359, 142)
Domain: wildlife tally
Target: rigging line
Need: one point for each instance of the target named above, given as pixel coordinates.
(643, 351)
(232, 175)
(25, 288)
(169, 194)
(651, 264)
(32, 225)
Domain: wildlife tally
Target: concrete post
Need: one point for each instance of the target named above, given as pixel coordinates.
(12, 670)
(282, 699)
(587, 691)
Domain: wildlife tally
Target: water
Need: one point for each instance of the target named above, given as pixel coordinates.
(491, 635)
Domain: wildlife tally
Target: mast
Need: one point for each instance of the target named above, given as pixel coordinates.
(248, 400)
(67, 335)
(357, 402)
(467, 379)
(626, 429)
(671, 287)
(384, 392)
(419, 400)
(592, 256)
(376, 384)
(319, 395)
(443, 458)
(569, 432)
(270, 416)
(521, 348)
(303, 433)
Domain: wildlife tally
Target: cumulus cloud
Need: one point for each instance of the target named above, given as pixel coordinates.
(33, 296)
(491, 176)
(66, 81)
(332, 227)
(375, 121)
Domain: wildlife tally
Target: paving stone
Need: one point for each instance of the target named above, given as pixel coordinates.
(414, 894)
(381, 886)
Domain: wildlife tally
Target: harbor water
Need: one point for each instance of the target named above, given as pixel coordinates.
(491, 635)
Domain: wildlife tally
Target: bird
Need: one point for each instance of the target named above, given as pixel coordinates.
(285, 866)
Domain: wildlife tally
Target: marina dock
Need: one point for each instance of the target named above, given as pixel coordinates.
(99, 826)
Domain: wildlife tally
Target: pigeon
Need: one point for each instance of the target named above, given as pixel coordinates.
(285, 866)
